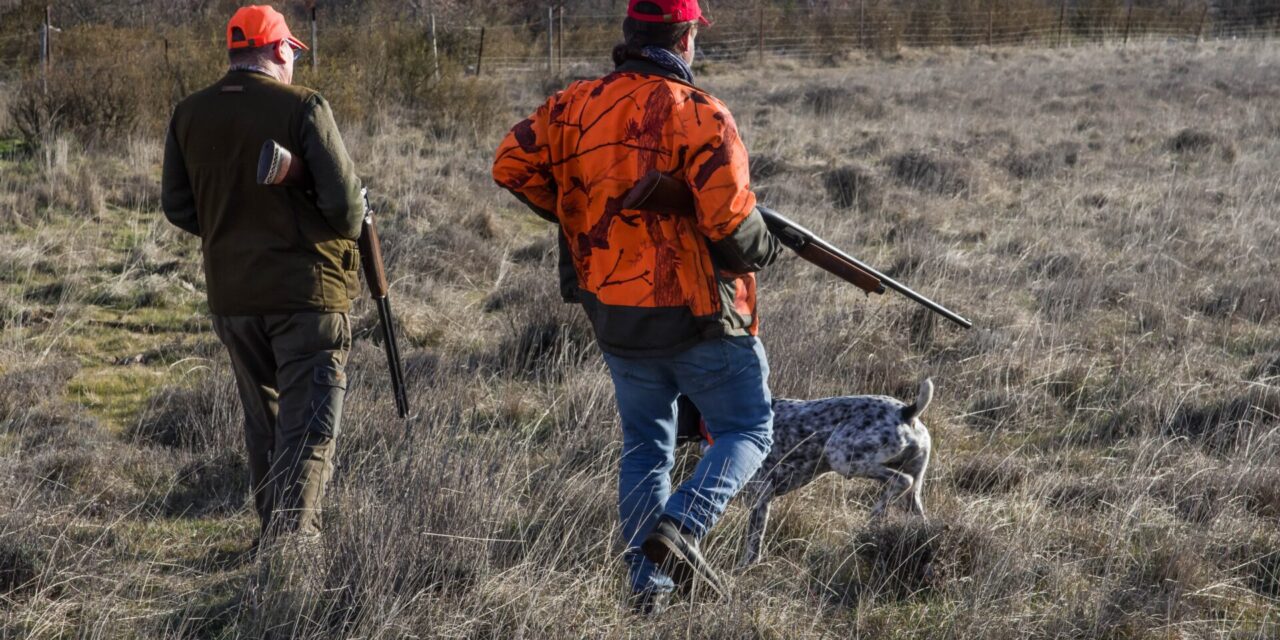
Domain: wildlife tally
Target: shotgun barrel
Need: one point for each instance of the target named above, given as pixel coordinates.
(660, 191)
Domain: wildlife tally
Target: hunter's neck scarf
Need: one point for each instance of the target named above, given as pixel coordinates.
(669, 61)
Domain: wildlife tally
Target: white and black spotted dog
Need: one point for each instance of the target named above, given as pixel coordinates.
(873, 437)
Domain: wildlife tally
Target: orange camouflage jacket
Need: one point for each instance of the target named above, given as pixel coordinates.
(652, 282)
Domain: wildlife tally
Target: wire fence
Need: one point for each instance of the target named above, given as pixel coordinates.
(560, 41)
(96, 78)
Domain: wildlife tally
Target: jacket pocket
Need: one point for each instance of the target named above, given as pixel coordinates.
(351, 271)
(328, 389)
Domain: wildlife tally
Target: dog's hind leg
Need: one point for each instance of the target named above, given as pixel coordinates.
(757, 523)
(915, 467)
(896, 483)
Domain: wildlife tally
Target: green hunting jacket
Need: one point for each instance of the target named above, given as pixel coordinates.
(267, 250)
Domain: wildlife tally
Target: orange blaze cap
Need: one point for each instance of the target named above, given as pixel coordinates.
(258, 26)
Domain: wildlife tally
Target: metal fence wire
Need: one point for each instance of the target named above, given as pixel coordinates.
(560, 41)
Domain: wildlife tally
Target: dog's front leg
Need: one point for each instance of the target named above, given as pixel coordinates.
(757, 523)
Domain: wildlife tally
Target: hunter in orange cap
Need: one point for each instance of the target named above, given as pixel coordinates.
(280, 264)
(258, 26)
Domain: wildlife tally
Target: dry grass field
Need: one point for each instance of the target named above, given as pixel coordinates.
(1106, 438)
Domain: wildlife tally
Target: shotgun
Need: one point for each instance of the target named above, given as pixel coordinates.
(660, 191)
(278, 167)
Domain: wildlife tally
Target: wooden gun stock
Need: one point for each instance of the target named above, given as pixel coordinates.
(660, 192)
(375, 272)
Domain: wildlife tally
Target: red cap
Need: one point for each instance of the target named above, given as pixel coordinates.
(259, 26)
(670, 11)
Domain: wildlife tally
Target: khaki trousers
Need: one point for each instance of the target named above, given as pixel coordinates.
(290, 375)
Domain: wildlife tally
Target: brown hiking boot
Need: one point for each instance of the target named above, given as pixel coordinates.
(676, 554)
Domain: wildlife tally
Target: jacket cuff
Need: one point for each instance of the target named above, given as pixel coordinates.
(748, 248)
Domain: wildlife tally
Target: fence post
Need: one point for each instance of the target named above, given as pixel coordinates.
(44, 55)
(1128, 20)
(1200, 29)
(46, 46)
(991, 25)
(560, 41)
(480, 54)
(862, 24)
(315, 41)
(435, 51)
(760, 36)
(1062, 20)
(551, 39)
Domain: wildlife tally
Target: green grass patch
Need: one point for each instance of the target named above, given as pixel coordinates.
(116, 395)
(10, 147)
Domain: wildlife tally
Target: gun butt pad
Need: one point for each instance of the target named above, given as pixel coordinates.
(278, 167)
(657, 190)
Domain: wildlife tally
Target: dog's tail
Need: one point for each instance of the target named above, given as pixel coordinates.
(923, 398)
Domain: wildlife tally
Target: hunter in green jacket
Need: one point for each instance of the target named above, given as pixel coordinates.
(280, 264)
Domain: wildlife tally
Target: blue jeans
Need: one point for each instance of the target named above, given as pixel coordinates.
(727, 379)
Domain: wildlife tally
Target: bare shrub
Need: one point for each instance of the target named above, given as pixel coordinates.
(765, 166)
(90, 196)
(22, 561)
(1192, 141)
(989, 474)
(1257, 560)
(202, 416)
(1221, 422)
(906, 558)
(1009, 410)
(215, 484)
(545, 343)
(852, 186)
(1256, 299)
(1084, 495)
(1042, 163)
(925, 172)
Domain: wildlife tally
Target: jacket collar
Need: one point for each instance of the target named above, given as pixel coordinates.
(640, 65)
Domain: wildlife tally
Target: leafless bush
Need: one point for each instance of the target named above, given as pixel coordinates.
(1226, 420)
(22, 560)
(925, 172)
(202, 416)
(853, 186)
(1042, 163)
(1256, 299)
(989, 474)
(902, 559)
(1087, 495)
